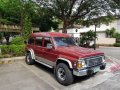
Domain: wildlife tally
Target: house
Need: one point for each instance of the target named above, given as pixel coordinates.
(100, 31)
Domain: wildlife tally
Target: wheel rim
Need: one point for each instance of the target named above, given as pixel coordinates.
(28, 58)
(61, 74)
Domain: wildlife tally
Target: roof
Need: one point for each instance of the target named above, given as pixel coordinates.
(71, 26)
(49, 34)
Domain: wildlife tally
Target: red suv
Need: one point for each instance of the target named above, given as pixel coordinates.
(60, 52)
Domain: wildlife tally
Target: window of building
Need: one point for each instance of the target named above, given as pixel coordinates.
(38, 41)
(31, 41)
(47, 41)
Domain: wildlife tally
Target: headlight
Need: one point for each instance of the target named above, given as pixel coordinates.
(80, 64)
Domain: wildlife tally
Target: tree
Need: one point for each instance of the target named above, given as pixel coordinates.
(26, 24)
(87, 38)
(71, 10)
(10, 11)
(117, 36)
(110, 32)
(1, 37)
(107, 32)
(9, 14)
(44, 20)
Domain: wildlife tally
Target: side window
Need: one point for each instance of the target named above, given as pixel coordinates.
(31, 41)
(47, 41)
(38, 41)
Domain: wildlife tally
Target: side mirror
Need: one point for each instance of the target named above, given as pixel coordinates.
(25, 42)
(49, 46)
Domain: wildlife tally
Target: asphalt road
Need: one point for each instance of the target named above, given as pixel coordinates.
(111, 51)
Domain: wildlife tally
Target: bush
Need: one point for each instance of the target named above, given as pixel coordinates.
(17, 50)
(5, 49)
(87, 38)
(117, 44)
(17, 41)
(13, 50)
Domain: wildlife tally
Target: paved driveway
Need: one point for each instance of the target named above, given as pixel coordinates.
(111, 51)
(19, 76)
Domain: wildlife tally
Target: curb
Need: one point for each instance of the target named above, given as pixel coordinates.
(11, 60)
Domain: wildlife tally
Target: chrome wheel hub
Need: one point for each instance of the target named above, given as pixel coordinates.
(61, 74)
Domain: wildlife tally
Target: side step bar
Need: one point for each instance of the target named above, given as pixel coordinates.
(44, 64)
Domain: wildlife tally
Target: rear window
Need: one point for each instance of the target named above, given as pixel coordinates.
(31, 41)
(38, 41)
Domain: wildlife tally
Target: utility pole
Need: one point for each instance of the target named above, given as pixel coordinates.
(95, 38)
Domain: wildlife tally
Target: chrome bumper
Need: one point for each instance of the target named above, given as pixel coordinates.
(89, 71)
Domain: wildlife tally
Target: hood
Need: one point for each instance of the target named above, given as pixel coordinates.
(79, 51)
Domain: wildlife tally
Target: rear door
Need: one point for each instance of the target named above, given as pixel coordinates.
(38, 48)
(30, 44)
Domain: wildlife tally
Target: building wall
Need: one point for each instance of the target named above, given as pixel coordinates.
(106, 41)
(101, 34)
(118, 26)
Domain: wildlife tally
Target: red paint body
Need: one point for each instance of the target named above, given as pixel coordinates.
(72, 53)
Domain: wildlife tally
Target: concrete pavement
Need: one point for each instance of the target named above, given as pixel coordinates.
(20, 76)
(111, 51)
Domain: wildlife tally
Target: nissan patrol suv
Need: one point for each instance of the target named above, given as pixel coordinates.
(60, 52)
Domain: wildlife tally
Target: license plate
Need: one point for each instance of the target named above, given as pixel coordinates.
(96, 69)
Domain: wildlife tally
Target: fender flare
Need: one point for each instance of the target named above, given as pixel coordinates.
(32, 53)
(66, 60)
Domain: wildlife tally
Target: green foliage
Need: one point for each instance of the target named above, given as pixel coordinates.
(117, 44)
(117, 36)
(27, 27)
(17, 41)
(10, 11)
(17, 50)
(110, 32)
(87, 38)
(5, 49)
(13, 50)
(17, 47)
(69, 11)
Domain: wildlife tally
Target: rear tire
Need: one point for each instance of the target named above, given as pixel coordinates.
(29, 59)
(64, 74)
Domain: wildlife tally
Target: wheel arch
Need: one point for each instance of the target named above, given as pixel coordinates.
(31, 51)
(66, 61)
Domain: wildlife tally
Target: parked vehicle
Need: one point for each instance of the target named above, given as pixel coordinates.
(60, 52)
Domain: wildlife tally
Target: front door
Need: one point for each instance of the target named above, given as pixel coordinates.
(50, 55)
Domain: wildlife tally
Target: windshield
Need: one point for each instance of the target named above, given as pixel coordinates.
(64, 41)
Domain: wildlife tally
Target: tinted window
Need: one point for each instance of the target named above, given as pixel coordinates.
(46, 41)
(31, 41)
(39, 41)
(64, 41)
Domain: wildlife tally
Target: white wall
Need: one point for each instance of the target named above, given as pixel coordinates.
(101, 34)
(107, 41)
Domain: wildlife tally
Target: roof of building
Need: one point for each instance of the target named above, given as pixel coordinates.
(49, 34)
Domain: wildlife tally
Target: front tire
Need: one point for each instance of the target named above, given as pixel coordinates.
(29, 59)
(63, 74)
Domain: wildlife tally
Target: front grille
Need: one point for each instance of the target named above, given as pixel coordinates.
(92, 61)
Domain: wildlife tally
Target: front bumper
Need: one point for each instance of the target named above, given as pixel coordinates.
(89, 70)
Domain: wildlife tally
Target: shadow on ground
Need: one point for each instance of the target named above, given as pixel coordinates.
(51, 72)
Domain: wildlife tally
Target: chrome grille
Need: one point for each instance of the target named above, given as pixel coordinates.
(92, 61)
